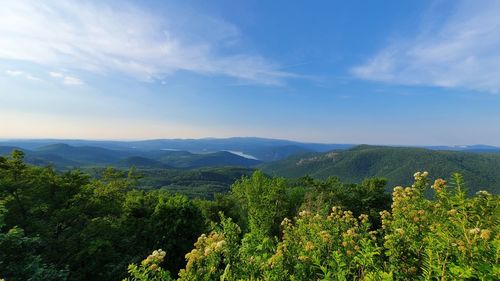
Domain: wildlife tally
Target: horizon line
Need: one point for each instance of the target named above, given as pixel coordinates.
(245, 137)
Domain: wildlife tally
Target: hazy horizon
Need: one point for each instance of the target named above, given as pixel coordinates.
(240, 137)
(398, 73)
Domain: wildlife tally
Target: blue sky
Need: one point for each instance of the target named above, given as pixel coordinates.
(378, 72)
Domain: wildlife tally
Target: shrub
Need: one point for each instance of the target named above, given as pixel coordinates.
(447, 237)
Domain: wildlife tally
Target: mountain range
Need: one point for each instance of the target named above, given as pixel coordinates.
(479, 164)
(260, 148)
(64, 156)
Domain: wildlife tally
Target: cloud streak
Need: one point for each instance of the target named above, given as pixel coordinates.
(462, 52)
(14, 72)
(23, 74)
(66, 79)
(72, 81)
(56, 74)
(96, 37)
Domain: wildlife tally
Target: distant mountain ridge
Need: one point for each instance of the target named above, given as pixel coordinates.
(397, 164)
(64, 156)
(478, 148)
(263, 149)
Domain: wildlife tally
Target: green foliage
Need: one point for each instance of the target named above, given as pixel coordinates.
(396, 164)
(448, 237)
(365, 198)
(18, 258)
(57, 225)
(214, 254)
(336, 247)
(263, 201)
(176, 222)
(452, 237)
(202, 183)
(224, 203)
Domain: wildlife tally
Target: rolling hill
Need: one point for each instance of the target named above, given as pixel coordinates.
(397, 164)
(64, 156)
(85, 155)
(260, 148)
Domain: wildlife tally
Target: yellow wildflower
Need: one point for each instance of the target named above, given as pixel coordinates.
(485, 234)
(309, 246)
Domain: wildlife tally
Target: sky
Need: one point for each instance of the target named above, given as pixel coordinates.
(378, 72)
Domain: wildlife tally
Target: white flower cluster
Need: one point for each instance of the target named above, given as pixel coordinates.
(304, 213)
(156, 257)
(483, 193)
(420, 176)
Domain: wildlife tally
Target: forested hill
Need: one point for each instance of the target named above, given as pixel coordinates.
(394, 163)
(63, 157)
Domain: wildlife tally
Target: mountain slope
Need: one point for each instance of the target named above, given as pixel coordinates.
(81, 154)
(8, 149)
(394, 163)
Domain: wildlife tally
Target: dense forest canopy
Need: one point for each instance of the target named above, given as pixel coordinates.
(71, 226)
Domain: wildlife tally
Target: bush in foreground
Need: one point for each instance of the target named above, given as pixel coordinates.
(448, 237)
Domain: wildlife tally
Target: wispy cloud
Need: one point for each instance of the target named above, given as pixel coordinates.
(96, 37)
(23, 74)
(462, 52)
(66, 79)
(70, 80)
(14, 72)
(56, 74)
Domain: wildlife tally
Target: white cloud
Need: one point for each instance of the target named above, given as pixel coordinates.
(463, 52)
(70, 80)
(93, 36)
(66, 79)
(56, 74)
(14, 72)
(25, 75)
(31, 77)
